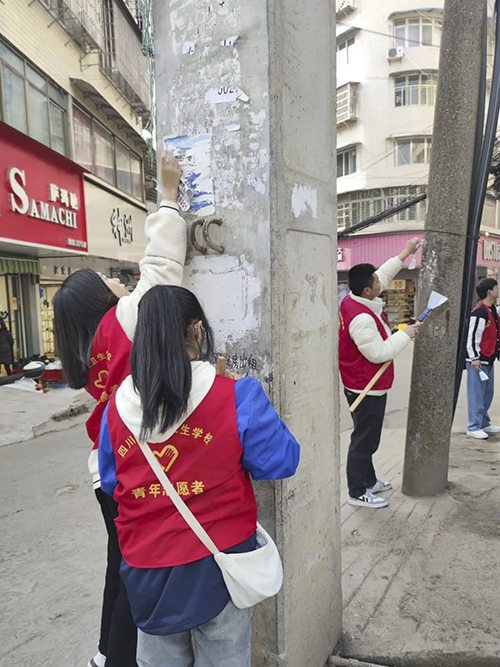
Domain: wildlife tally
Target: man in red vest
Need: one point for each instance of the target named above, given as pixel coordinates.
(482, 351)
(365, 343)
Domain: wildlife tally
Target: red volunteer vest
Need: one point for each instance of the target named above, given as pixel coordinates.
(491, 333)
(355, 369)
(109, 366)
(203, 462)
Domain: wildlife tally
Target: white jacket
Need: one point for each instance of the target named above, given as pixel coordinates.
(363, 328)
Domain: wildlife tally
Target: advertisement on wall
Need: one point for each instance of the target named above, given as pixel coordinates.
(41, 195)
(115, 224)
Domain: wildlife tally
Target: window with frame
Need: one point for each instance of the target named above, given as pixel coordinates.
(346, 162)
(344, 51)
(415, 90)
(103, 154)
(31, 103)
(354, 207)
(413, 150)
(418, 31)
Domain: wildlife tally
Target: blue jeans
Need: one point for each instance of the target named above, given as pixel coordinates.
(222, 642)
(479, 396)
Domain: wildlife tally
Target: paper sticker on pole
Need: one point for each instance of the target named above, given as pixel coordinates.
(196, 193)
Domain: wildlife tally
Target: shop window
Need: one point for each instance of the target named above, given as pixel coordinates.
(82, 129)
(136, 171)
(99, 151)
(104, 160)
(123, 175)
(30, 102)
(39, 116)
(14, 100)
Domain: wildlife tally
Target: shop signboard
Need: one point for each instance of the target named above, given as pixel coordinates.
(115, 224)
(41, 195)
(398, 285)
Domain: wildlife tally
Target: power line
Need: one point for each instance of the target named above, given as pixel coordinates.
(407, 40)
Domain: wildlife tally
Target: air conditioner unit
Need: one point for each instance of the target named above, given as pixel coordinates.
(345, 7)
(395, 53)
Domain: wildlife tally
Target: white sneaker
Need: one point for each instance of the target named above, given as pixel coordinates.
(491, 429)
(478, 435)
(368, 500)
(380, 487)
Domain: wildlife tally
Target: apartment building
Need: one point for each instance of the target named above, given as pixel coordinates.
(387, 74)
(74, 99)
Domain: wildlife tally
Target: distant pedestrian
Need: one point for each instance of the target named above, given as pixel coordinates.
(365, 343)
(483, 348)
(6, 348)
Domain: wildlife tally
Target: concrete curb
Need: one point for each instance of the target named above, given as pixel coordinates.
(424, 659)
(68, 418)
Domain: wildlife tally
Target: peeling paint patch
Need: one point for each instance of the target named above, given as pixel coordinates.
(304, 197)
(228, 288)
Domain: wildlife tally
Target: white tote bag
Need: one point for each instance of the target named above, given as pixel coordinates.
(250, 577)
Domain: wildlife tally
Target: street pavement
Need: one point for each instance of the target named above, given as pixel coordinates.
(27, 414)
(420, 578)
(52, 553)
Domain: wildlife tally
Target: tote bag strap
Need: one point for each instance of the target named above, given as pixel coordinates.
(181, 506)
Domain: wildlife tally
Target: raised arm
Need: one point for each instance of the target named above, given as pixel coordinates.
(393, 266)
(165, 254)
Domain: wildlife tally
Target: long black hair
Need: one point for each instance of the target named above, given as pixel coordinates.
(161, 361)
(79, 305)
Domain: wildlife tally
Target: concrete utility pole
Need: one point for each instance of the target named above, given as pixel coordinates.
(266, 271)
(433, 376)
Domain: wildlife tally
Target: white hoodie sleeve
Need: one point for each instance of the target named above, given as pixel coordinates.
(163, 263)
(388, 272)
(365, 334)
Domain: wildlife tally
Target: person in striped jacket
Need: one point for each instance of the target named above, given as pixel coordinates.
(483, 347)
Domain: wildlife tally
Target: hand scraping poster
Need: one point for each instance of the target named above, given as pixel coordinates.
(194, 154)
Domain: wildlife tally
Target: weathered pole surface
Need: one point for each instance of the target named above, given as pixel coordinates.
(257, 81)
(433, 376)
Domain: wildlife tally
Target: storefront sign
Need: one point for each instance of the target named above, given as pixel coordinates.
(491, 251)
(340, 254)
(398, 285)
(122, 226)
(115, 225)
(41, 195)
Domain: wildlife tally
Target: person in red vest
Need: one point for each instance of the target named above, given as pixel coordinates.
(365, 343)
(95, 320)
(211, 435)
(483, 347)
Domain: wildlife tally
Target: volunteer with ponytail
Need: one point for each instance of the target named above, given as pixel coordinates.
(95, 320)
(210, 434)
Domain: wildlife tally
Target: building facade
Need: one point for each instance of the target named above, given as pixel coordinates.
(387, 74)
(74, 99)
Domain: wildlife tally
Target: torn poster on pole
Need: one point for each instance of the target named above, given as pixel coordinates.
(194, 154)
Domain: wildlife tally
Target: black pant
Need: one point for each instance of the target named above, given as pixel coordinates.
(365, 440)
(8, 369)
(118, 639)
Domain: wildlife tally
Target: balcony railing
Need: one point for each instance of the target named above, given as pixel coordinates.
(418, 95)
(82, 20)
(347, 103)
(122, 61)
